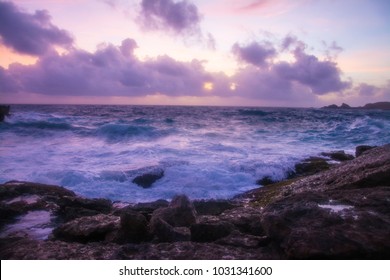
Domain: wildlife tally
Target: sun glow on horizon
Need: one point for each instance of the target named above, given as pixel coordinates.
(208, 86)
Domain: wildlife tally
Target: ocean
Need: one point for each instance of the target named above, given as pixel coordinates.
(205, 152)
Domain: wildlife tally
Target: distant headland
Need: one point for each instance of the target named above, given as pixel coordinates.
(377, 105)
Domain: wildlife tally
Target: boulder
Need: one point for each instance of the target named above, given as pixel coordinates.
(17, 188)
(133, 228)
(310, 166)
(212, 206)
(146, 180)
(73, 207)
(359, 150)
(370, 169)
(340, 213)
(179, 213)
(245, 219)
(87, 229)
(149, 207)
(207, 232)
(164, 232)
(314, 226)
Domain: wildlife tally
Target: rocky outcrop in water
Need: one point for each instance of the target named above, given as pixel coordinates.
(4, 111)
(146, 180)
(369, 106)
(342, 212)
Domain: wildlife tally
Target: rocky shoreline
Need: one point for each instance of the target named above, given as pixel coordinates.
(322, 211)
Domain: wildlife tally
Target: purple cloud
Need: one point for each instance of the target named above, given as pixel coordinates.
(111, 71)
(301, 79)
(32, 34)
(366, 90)
(180, 17)
(254, 53)
(320, 76)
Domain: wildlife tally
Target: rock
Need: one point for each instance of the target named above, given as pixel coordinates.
(192, 251)
(370, 169)
(374, 106)
(261, 197)
(28, 249)
(148, 207)
(239, 239)
(179, 213)
(17, 188)
(87, 229)
(146, 180)
(345, 106)
(338, 155)
(17, 198)
(164, 232)
(213, 206)
(340, 213)
(333, 106)
(75, 207)
(313, 226)
(7, 214)
(4, 111)
(245, 219)
(266, 180)
(361, 149)
(310, 166)
(207, 232)
(133, 228)
(378, 105)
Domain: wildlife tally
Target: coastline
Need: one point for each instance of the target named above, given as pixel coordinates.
(341, 212)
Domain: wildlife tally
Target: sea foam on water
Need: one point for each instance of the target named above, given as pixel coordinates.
(205, 152)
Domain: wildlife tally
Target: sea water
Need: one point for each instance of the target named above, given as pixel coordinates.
(205, 152)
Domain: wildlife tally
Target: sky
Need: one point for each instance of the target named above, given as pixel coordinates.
(302, 53)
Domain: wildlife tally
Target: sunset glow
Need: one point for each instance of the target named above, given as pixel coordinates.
(279, 52)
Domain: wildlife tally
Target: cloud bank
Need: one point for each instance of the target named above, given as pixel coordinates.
(31, 34)
(110, 71)
(265, 74)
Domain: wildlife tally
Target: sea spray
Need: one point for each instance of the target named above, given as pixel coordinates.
(205, 152)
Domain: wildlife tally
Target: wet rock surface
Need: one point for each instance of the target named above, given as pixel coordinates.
(341, 212)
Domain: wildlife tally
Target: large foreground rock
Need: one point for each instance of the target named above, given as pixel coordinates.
(87, 229)
(340, 213)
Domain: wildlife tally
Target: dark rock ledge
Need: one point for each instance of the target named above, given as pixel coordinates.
(342, 212)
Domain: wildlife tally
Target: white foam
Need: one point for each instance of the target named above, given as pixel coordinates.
(206, 153)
